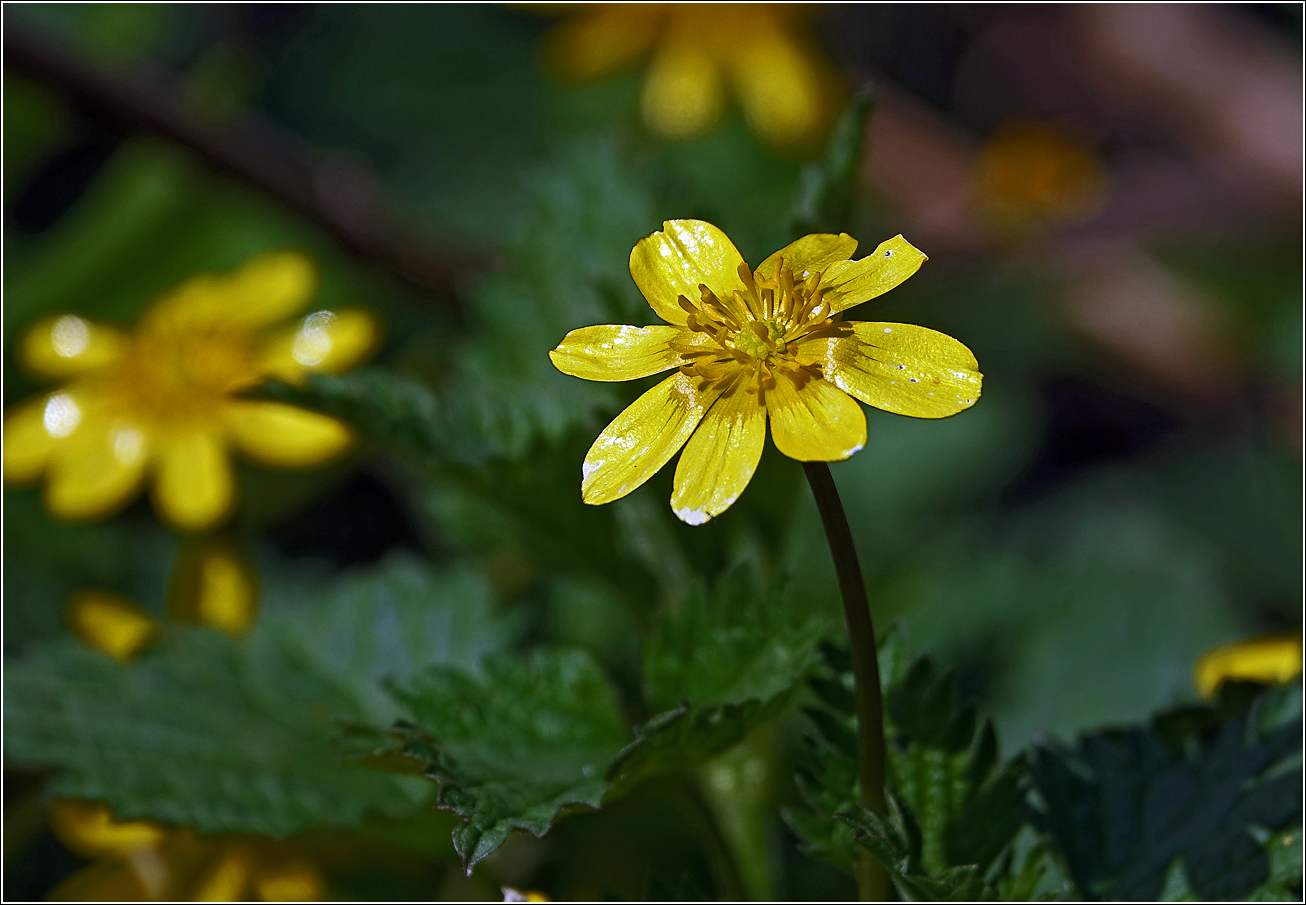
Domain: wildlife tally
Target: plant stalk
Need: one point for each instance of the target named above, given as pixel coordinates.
(872, 881)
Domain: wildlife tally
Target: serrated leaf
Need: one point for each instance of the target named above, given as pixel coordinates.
(894, 843)
(723, 664)
(197, 732)
(686, 737)
(954, 806)
(230, 736)
(515, 750)
(1122, 805)
(394, 620)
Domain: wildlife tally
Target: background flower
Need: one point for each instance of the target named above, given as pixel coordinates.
(697, 49)
(165, 400)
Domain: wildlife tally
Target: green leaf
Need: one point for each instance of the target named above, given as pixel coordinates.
(956, 806)
(720, 666)
(230, 736)
(200, 731)
(1123, 805)
(894, 843)
(1284, 851)
(735, 644)
(516, 750)
(825, 190)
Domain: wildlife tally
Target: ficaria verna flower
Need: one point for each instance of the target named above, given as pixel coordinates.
(752, 345)
(138, 860)
(697, 48)
(1275, 658)
(212, 584)
(165, 400)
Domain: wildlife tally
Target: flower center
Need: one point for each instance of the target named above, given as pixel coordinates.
(181, 372)
(751, 335)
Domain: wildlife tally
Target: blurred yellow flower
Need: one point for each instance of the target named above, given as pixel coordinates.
(165, 398)
(752, 344)
(1276, 658)
(787, 94)
(138, 861)
(1031, 176)
(212, 584)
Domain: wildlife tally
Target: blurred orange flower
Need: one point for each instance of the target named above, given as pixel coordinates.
(134, 861)
(787, 93)
(1031, 176)
(165, 398)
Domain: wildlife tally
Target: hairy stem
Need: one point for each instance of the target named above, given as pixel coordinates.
(872, 881)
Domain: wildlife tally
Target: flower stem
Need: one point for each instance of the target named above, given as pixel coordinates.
(872, 881)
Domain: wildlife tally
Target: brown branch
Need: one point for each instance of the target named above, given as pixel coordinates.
(339, 196)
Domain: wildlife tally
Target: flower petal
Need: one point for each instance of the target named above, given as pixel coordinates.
(324, 342)
(602, 39)
(95, 468)
(67, 345)
(850, 283)
(683, 92)
(643, 438)
(110, 623)
(28, 445)
(282, 435)
(900, 368)
(777, 83)
(213, 584)
(616, 352)
(815, 423)
(810, 254)
(680, 258)
(1275, 658)
(265, 290)
(193, 484)
(720, 458)
(89, 829)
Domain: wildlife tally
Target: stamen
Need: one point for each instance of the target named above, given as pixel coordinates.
(762, 333)
(686, 304)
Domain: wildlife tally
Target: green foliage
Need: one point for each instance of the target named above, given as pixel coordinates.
(954, 803)
(895, 841)
(722, 665)
(738, 643)
(238, 736)
(826, 190)
(540, 735)
(1123, 805)
(516, 750)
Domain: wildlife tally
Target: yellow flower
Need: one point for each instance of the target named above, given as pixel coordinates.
(1277, 658)
(1030, 176)
(164, 400)
(212, 584)
(143, 861)
(697, 48)
(752, 344)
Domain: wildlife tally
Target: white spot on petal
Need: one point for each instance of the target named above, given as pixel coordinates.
(313, 341)
(887, 330)
(692, 516)
(128, 444)
(70, 336)
(61, 415)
